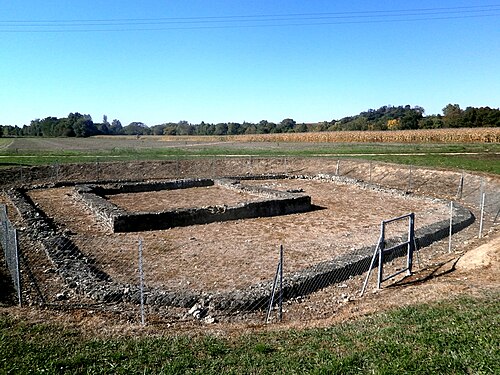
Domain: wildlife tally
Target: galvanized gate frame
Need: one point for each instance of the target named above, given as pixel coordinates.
(380, 251)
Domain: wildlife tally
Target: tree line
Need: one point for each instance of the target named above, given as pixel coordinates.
(384, 118)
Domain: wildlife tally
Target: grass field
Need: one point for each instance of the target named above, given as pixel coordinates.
(458, 336)
(483, 157)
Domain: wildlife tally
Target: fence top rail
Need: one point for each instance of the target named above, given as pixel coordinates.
(398, 218)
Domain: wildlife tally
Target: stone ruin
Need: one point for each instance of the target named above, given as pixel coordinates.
(272, 203)
(85, 277)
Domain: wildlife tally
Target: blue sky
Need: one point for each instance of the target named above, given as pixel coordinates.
(226, 60)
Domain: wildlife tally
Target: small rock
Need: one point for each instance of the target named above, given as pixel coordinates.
(209, 319)
(195, 308)
(61, 296)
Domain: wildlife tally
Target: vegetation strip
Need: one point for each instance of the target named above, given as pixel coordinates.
(453, 336)
(484, 157)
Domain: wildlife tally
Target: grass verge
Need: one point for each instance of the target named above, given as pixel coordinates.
(454, 337)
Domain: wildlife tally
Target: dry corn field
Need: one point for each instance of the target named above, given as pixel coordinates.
(462, 135)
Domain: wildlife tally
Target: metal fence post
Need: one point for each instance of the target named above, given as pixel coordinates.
(381, 255)
(278, 278)
(460, 187)
(17, 269)
(411, 243)
(338, 167)
(281, 283)
(5, 231)
(482, 215)
(141, 281)
(451, 227)
(409, 180)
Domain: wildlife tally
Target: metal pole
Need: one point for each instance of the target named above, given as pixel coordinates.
(409, 180)
(460, 187)
(18, 269)
(481, 191)
(6, 233)
(451, 226)
(496, 216)
(273, 292)
(338, 167)
(281, 283)
(381, 255)
(370, 172)
(141, 281)
(411, 243)
(482, 215)
(370, 268)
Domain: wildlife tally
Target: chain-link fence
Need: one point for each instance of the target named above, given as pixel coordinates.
(9, 244)
(225, 271)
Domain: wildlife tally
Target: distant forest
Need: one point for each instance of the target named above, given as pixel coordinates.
(384, 118)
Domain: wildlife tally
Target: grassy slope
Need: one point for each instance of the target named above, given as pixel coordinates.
(454, 336)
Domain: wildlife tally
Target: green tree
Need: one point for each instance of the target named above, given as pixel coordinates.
(233, 128)
(82, 125)
(116, 127)
(411, 119)
(220, 129)
(286, 125)
(300, 128)
(136, 128)
(452, 116)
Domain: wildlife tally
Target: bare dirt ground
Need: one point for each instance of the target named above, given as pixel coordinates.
(472, 268)
(166, 200)
(236, 254)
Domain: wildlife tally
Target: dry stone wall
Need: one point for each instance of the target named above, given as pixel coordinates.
(273, 203)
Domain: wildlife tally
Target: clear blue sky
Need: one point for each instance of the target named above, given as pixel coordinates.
(158, 61)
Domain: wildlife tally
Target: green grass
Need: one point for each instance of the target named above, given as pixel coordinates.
(453, 337)
(27, 151)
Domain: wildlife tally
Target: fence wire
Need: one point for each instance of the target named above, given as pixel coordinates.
(209, 273)
(9, 244)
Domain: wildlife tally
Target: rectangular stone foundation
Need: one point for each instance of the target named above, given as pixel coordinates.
(273, 203)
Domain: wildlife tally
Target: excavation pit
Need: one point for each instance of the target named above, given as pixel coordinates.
(230, 263)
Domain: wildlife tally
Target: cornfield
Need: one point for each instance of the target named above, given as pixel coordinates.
(461, 135)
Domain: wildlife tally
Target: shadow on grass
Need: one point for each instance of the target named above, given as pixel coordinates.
(438, 270)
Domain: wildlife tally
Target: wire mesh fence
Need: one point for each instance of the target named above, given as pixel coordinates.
(9, 244)
(219, 272)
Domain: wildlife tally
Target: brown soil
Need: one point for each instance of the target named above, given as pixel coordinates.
(181, 198)
(232, 255)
